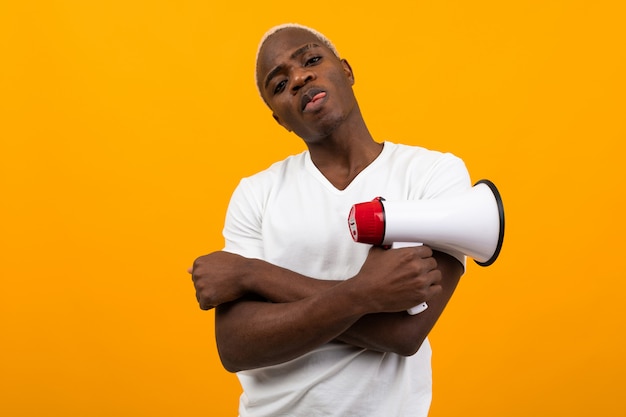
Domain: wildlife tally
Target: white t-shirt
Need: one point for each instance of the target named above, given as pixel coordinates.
(290, 215)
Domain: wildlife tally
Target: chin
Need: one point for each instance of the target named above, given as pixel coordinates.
(324, 128)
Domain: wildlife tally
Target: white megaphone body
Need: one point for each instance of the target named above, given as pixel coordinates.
(471, 222)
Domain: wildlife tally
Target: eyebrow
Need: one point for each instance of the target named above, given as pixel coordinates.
(296, 54)
(303, 49)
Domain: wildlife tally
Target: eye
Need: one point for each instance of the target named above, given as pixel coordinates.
(280, 86)
(313, 60)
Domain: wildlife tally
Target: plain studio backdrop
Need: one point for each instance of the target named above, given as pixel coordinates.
(125, 126)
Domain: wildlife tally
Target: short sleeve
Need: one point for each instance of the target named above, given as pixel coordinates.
(243, 226)
(448, 176)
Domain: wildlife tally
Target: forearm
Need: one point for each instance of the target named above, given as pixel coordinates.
(386, 332)
(294, 314)
(379, 331)
(252, 334)
(280, 285)
(401, 332)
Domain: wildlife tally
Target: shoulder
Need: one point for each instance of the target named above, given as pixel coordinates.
(290, 163)
(402, 152)
(411, 157)
(274, 174)
(432, 172)
(259, 188)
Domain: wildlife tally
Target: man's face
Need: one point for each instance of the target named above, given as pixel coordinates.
(307, 87)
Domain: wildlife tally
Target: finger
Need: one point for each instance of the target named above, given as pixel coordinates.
(203, 304)
(430, 263)
(190, 270)
(424, 251)
(435, 277)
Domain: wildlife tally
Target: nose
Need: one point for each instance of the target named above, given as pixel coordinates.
(300, 78)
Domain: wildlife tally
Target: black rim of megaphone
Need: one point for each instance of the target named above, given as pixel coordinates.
(496, 194)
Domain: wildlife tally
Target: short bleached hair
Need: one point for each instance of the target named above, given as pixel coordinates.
(278, 28)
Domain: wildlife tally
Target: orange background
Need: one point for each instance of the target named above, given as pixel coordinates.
(125, 125)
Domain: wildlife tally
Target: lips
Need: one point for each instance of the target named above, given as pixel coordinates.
(311, 96)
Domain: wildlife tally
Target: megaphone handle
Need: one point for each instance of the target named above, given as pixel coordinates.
(423, 306)
(417, 309)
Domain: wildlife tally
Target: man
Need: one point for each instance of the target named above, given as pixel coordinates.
(313, 323)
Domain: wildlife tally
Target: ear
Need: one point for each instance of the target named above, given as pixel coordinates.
(348, 70)
(280, 122)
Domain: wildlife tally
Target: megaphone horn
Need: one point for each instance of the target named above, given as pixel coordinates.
(471, 222)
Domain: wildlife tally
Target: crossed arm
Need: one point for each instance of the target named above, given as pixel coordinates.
(266, 315)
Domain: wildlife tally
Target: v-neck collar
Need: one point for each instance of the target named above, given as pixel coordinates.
(313, 170)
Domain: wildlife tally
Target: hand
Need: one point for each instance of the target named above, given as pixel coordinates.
(398, 279)
(218, 278)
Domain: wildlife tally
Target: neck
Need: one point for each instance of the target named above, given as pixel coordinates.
(341, 156)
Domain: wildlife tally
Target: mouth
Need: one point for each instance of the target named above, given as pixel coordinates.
(311, 98)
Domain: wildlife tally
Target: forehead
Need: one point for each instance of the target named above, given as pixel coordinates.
(279, 47)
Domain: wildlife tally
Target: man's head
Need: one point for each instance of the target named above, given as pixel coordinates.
(323, 39)
(302, 79)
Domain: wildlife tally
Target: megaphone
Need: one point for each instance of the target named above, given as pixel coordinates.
(471, 222)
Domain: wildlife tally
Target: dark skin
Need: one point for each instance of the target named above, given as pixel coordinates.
(266, 315)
